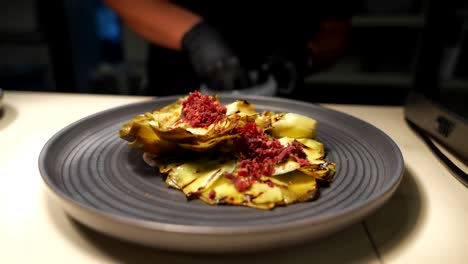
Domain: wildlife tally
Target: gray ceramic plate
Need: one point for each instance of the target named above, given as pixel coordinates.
(104, 184)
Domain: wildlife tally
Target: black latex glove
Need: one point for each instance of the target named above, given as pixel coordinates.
(289, 66)
(213, 60)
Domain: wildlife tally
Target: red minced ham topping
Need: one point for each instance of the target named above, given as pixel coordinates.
(212, 194)
(200, 110)
(259, 155)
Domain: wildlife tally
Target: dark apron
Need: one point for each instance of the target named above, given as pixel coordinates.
(254, 30)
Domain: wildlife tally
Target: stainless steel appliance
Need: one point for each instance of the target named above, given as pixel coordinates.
(437, 106)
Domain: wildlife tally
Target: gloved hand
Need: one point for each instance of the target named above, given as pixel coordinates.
(212, 59)
(286, 66)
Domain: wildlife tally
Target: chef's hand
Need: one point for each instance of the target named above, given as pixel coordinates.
(286, 65)
(212, 59)
(318, 54)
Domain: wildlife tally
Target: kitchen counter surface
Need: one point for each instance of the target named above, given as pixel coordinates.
(424, 222)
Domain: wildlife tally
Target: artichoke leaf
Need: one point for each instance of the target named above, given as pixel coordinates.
(209, 145)
(260, 195)
(164, 164)
(205, 180)
(140, 135)
(241, 108)
(197, 172)
(312, 148)
(300, 187)
(292, 125)
(266, 194)
(219, 128)
(169, 115)
(186, 134)
(324, 171)
(286, 167)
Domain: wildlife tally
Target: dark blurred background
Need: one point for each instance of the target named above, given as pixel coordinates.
(81, 47)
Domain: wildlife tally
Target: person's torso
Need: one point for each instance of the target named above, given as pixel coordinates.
(257, 28)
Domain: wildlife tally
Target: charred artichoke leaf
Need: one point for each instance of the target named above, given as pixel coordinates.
(204, 178)
(315, 151)
(168, 119)
(272, 191)
(219, 128)
(260, 195)
(300, 187)
(182, 132)
(290, 125)
(215, 143)
(264, 119)
(286, 167)
(265, 195)
(162, 130)
(165, 163)
(322, 170)
(198, 174)
(241, 108)
(312, 148)
(140, 135)
(169, 115)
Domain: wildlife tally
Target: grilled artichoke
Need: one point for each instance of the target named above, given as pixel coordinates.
(205, 178)
(163, 130)
(221, 173)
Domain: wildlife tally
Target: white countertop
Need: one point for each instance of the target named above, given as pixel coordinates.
(426, 221)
